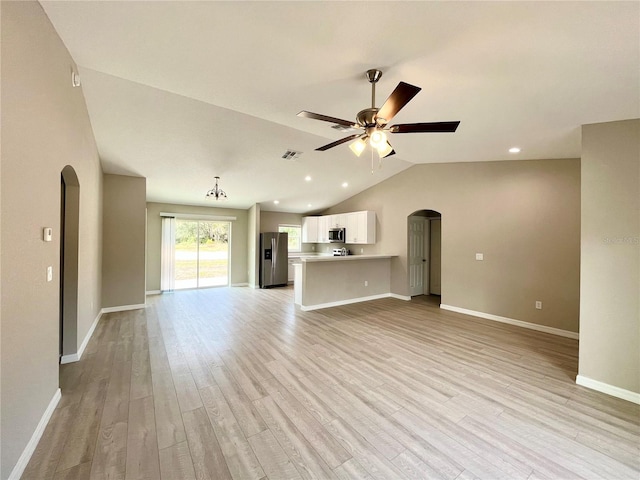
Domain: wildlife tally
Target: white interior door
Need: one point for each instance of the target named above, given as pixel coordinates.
(416, 255)
(426, 289)
(435, 270)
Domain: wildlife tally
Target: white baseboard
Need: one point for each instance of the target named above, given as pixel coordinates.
(608, 389)
(343, 302)
(154, 292)
(511, 321)
(406, 298)
(17, 471)
(243, 284)
(75, 357)
(123, 308)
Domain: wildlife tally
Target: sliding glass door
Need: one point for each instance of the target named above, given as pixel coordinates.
(201, 253)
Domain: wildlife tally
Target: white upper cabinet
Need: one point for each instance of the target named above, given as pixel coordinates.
(360, 227)
(323, 229)
(310, 229)
(337, 220)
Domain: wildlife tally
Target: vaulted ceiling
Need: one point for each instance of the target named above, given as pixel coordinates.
(179, 92)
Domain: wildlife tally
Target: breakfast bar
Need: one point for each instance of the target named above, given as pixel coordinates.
(327, 281)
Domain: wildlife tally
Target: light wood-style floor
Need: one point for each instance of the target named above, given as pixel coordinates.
(235, 383)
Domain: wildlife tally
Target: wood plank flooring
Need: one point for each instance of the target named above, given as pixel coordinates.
(236, 383)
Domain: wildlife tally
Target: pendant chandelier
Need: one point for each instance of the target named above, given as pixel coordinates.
(216, 192)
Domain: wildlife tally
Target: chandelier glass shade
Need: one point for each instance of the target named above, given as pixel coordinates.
(216, 192)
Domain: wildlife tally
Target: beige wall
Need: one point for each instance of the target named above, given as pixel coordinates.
(45, 126)
(523, 216)
(269, 222)
(335, 281)
(239, 238)
(123, 255)
(610, 264)
(253, 240)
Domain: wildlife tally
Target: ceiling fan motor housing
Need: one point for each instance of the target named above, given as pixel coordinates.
(367, 117)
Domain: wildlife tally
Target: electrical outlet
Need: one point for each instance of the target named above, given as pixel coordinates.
(366, 283)
(313, 248)
(362, 250)
(538, 304)
(49, 274)
(479, 256)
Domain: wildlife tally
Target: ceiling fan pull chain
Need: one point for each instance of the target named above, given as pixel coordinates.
(372, 161)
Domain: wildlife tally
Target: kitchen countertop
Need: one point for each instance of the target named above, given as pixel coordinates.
(331, 258)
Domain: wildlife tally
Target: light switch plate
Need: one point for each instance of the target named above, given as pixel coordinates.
(479, 256)
(47, 234)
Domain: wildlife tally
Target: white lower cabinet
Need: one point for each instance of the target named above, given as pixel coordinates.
(291, 269)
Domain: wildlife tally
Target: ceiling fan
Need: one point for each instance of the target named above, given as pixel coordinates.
(374, 120)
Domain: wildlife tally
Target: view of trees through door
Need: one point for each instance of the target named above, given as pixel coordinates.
(201, 253)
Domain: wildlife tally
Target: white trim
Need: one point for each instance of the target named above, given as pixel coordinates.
(608, 389)
(124, 308)
(154, 292)
(241, 284)
(406, 298)
(511, 321)
(195, 216)
(343, 302)
(75, 357)
(17, 471)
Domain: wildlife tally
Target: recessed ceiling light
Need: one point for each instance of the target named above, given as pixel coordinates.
(276, 202)
(345, 184)
(308, 205)
(308, 178)
(514, 150)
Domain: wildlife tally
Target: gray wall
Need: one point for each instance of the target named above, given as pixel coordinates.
(123, 255)
(610, 264)
(45, 126)
(239, 238)
(524, 216)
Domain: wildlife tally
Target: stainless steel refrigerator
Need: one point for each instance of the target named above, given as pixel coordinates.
(274, 250)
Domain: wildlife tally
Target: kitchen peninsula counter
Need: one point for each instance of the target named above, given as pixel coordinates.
(328, 281)
(339, 258)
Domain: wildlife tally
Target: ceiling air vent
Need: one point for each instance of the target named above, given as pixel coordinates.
(291, 155)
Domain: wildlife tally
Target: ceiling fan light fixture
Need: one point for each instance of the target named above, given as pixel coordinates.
(378, 139)
(358, 146)
(384, 149)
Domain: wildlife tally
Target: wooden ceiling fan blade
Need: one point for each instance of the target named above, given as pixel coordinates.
(326, 118)
(337, 142)
(429, 127)
(403, 93)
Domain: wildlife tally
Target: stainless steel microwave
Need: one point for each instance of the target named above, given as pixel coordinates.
(337, 235)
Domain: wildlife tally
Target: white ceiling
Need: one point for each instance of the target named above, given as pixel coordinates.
(179, 92)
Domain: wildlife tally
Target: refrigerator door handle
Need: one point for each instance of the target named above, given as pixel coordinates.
(274, 261)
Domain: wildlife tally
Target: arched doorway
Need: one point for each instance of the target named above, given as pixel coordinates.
(69, 232)
(424, 239)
